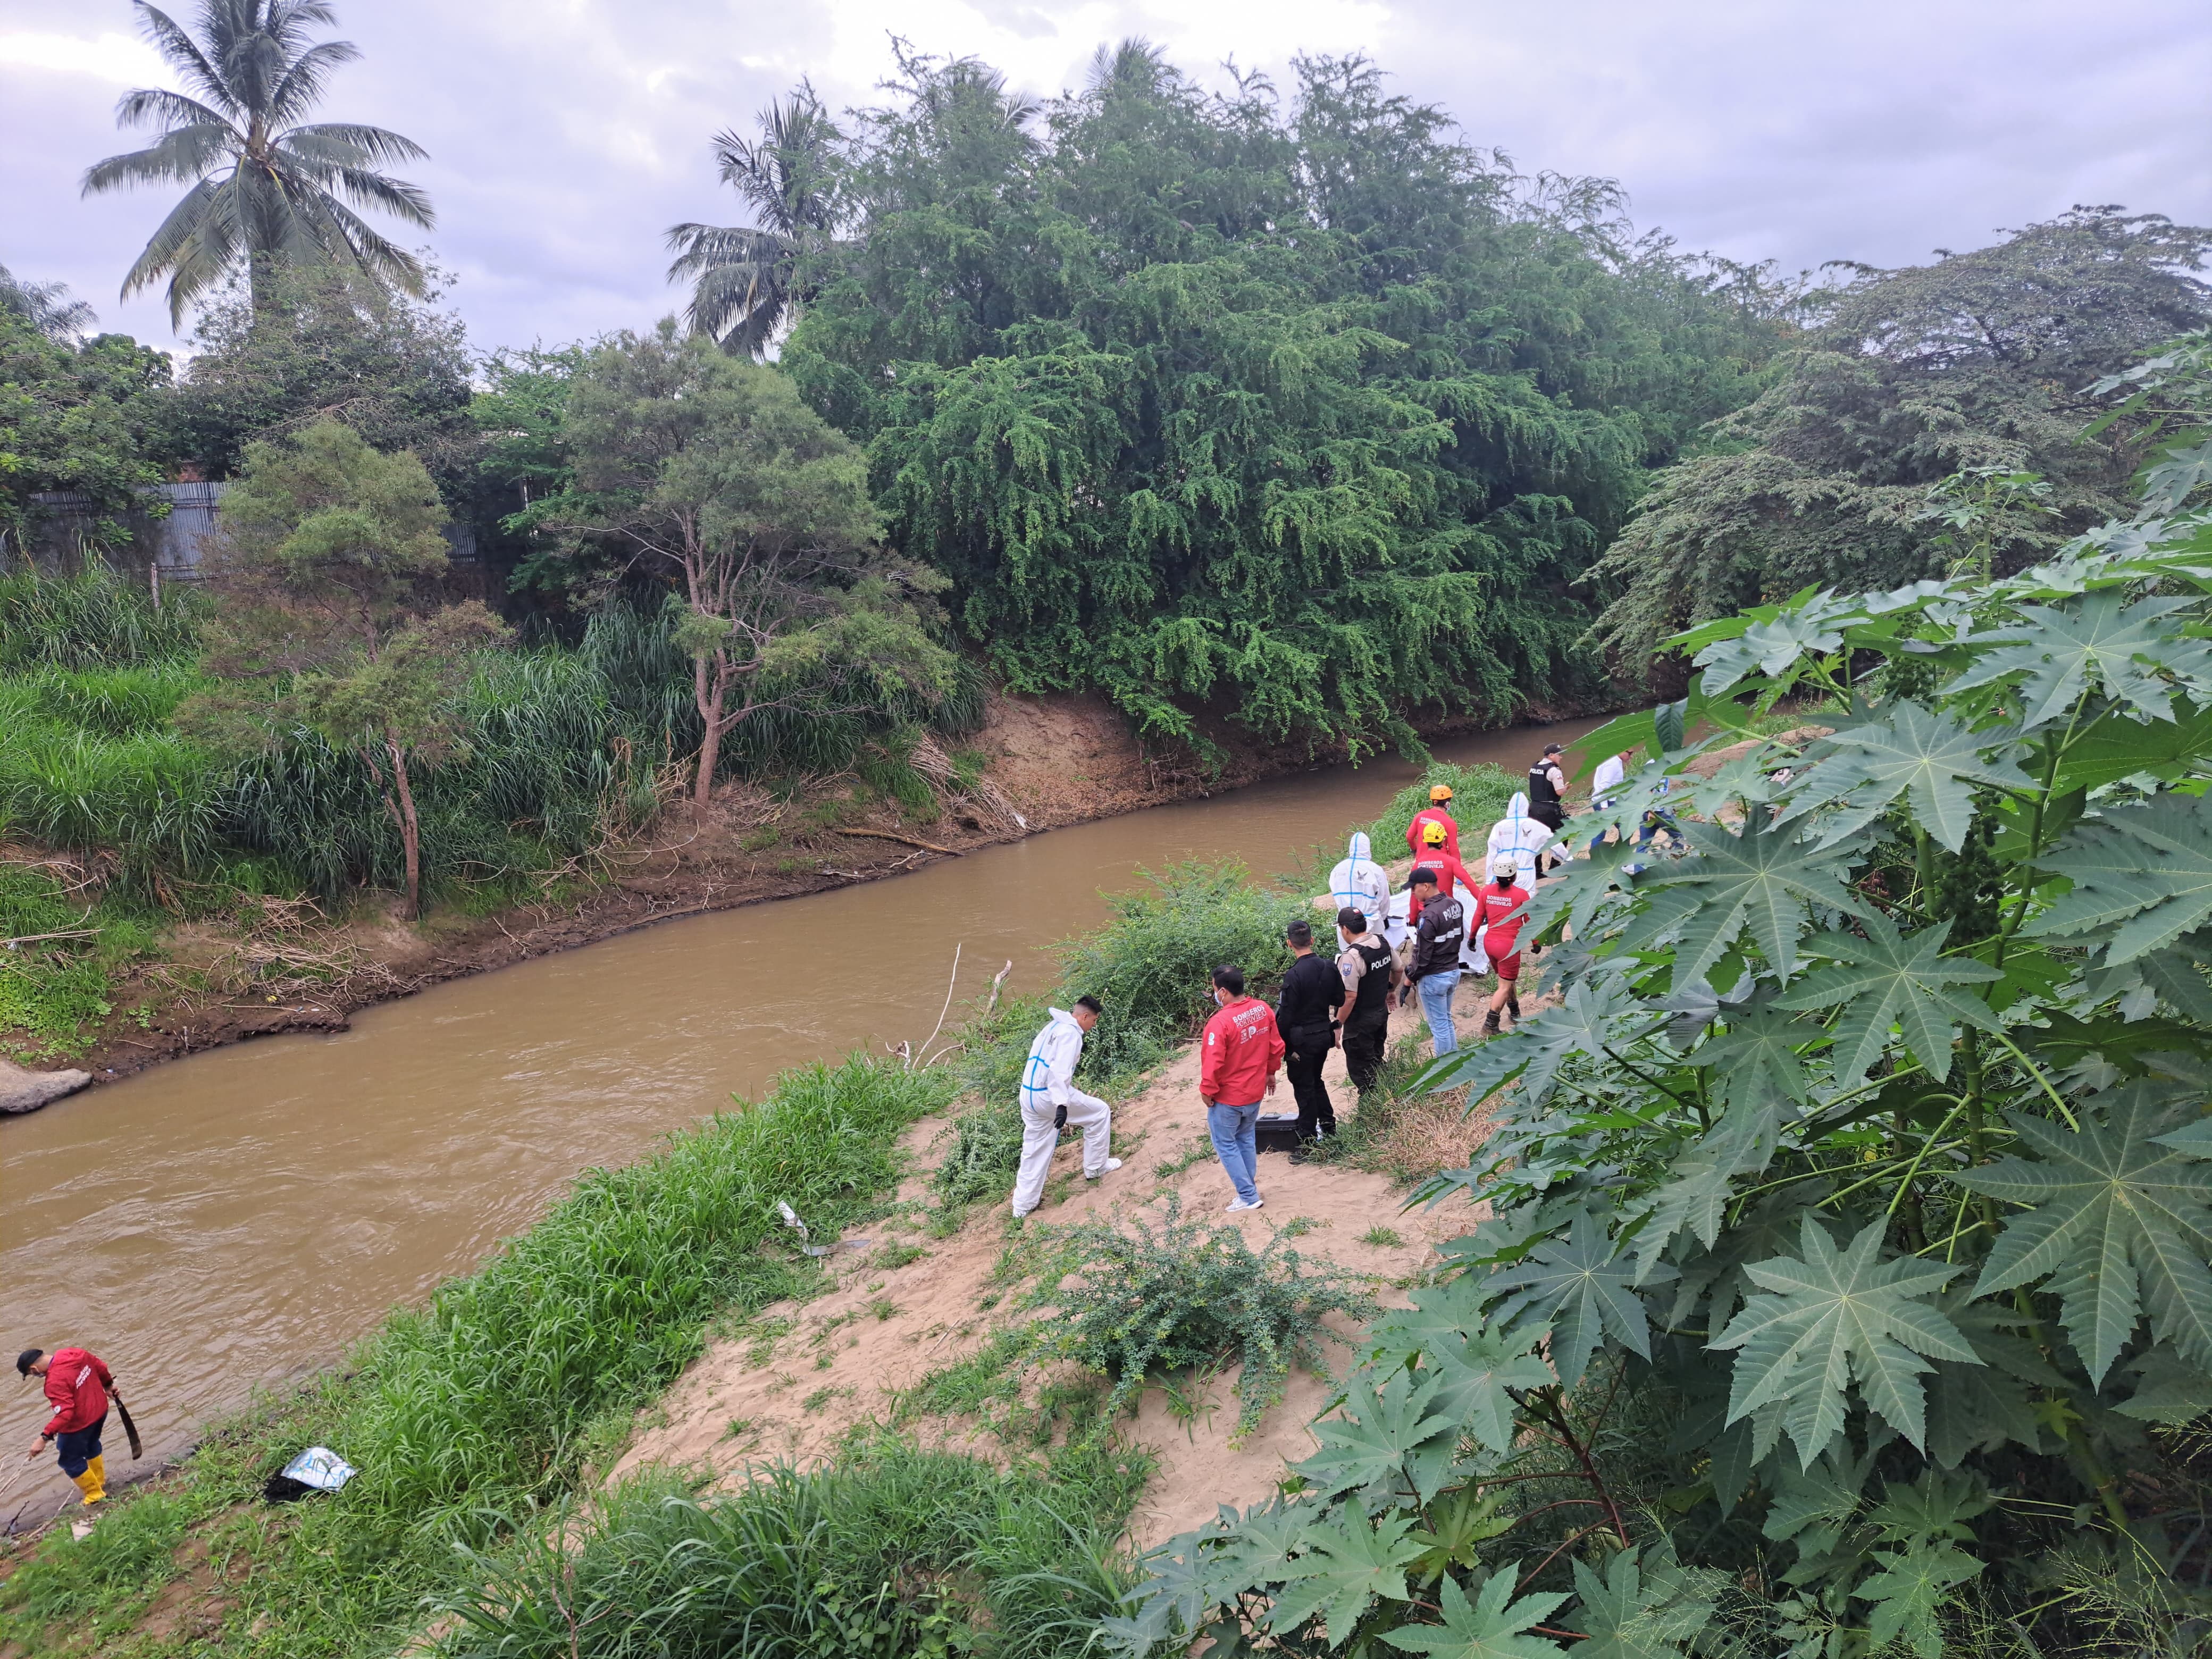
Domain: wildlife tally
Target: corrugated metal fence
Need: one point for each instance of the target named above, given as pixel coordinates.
(163, 545)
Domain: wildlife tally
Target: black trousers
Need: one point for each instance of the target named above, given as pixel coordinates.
(1365, 1036)
(1316, 1112)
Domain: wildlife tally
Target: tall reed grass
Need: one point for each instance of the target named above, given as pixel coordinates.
(96, 620)
(894, 1551)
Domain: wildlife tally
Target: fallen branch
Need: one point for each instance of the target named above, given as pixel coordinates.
(39, 938)
(906, 841)
(946, 1009)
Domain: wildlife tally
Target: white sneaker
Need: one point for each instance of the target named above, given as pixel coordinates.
(1256, 1204)
(1112, 1164)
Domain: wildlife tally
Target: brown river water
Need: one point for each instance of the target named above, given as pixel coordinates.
(240, 1217)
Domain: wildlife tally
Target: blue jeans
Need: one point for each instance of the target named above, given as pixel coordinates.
(1235, 1131)
(78, 1447)
(1435, 1007)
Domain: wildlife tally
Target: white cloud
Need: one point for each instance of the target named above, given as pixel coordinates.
(113, 57)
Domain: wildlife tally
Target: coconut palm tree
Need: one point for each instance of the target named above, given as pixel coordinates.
(744, 280)
(46, 307)
(264, 189)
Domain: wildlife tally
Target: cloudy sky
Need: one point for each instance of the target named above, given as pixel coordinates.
(566, 135)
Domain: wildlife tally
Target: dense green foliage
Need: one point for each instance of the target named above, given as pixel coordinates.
(707, 474)
(266, 189)
(320, 344)
(1965, 373)
(84, 417)
(891, 1552)
(1867, 1146)
(463, 1415)
(1298, 404)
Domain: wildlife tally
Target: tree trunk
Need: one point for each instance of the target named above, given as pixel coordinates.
(707, 691)
(410, 828)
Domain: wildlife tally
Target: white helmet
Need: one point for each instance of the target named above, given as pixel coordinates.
(1505, 865)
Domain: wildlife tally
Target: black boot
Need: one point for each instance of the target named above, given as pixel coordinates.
(1490, 1024)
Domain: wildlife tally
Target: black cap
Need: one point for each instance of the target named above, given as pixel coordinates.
(1426, 872)
(25, 1359)
(1352, 918)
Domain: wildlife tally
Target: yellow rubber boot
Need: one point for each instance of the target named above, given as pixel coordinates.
(93, 1483)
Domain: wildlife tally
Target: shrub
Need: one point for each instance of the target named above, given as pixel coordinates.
(1151, 964)
(1132, 1304)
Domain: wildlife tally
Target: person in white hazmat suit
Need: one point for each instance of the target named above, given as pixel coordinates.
(1049, 1099)
(1358, 882)
(1522, 836)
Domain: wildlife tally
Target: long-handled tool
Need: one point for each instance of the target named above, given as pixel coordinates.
(128, 1427)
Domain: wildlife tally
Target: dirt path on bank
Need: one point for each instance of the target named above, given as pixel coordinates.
(846, 1355)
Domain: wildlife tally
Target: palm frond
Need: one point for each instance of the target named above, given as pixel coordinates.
(46, 307)
(379, 146)
(174, 43)
(156, 106)
(300, 88)
(184, 154)
(705, 246)
(382, 258)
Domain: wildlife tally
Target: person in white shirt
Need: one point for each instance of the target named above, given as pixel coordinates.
(1358, 882)
(1522, 836)
(1049, 1099)
(1612, 773)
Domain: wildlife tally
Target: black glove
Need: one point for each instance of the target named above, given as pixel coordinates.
(1060, 1117)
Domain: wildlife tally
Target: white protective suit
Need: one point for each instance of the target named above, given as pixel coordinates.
(1047, 1084)
(1520, 835)
(1359, 881)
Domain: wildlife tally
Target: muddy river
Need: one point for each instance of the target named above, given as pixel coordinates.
(237, 1218)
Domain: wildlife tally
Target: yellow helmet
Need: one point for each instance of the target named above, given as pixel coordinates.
(1432, 833)
(1439, 791)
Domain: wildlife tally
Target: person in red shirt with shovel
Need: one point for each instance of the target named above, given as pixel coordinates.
(1239, 1055)
(78, 1383)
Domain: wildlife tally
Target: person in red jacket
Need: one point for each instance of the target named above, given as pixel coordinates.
(78, 1383)
(1239, 1055)
(1452, 877)
(1499, 910)
(1434, 813)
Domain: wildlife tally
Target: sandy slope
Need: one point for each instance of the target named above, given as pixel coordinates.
(881, 1332)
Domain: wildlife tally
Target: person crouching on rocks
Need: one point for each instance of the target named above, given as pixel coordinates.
(1050, 1101)
(77, 1382)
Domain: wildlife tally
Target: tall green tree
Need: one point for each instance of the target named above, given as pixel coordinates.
(321, 343)
(744, 278)
(89, 418)
(1298, 405)
(1948, 378)
(706, 474)
(327, 567)
(266, 188)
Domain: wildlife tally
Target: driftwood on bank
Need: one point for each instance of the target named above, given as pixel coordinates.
(904, 841)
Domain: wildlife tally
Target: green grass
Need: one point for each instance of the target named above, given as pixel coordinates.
(894, 1551)
(1479, 797)
(54, 992)
(468, 1417)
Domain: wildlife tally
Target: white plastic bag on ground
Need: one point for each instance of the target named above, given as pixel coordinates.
(320, 1468)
